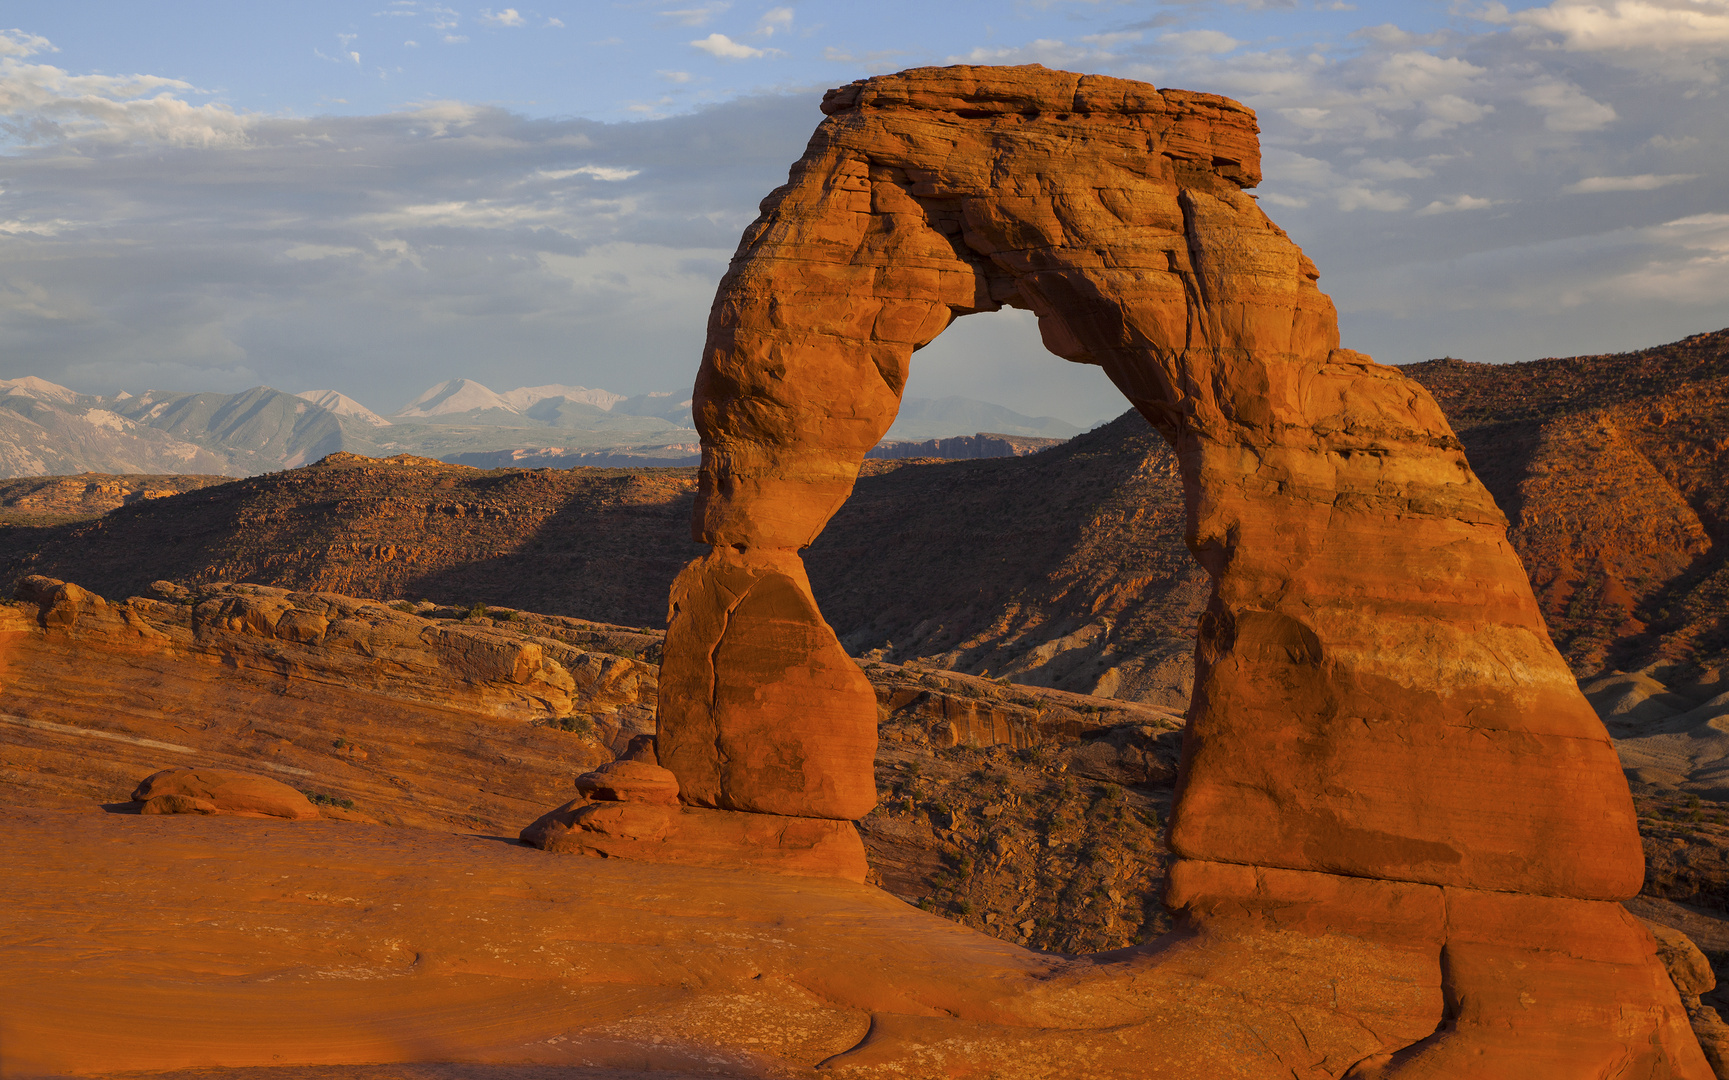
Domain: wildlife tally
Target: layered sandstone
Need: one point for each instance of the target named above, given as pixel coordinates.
(379, 712)
(1372, 669)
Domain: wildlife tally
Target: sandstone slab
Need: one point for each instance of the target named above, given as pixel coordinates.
(221, 791)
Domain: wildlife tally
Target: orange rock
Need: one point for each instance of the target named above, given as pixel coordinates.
(425, 722)
(695, 836)
(221, 791)
(1373, 670)
(177, 804)
(765, 711)
(630, 781)
(1383, 738)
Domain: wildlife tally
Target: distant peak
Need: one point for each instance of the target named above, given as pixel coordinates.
(40, 389)
(343, 405)
(454, 396)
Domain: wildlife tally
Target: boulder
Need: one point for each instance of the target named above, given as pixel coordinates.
(221, 791)
(630, 781)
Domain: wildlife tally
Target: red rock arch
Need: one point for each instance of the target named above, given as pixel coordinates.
(1385, 756)
(1373, 670)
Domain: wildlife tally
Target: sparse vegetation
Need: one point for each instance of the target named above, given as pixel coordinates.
(576, 725)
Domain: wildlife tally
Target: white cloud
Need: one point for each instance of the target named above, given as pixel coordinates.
(675, 76)
(599, 172)
(1447, 112)
(773, 20)
(1394, 169)
(1621, 25)
(555, 23)
(507, 17)
(1645, 182)
(1201, 41)
(1362, 197)
(40, 103)
(1285, 168)
(874, 60)
(696, 16)
(1458, 202)
(727, 49)
(1112, 39)
(1567, 107)
(1047, 51)
(455, 39)
(18, 43)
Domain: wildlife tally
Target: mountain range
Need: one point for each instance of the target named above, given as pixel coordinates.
(47, 429)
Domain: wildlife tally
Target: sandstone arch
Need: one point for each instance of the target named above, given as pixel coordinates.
(1377, 703)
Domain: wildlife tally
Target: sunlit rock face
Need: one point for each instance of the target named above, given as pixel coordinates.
(1376, 696)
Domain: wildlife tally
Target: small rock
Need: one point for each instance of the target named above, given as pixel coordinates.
(630, 781)
(177, 804)
(1688, 969)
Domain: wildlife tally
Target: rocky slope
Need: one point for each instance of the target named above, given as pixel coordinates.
(1610, 469)
(53, 500)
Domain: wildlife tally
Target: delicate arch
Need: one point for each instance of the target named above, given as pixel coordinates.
(1372, 671)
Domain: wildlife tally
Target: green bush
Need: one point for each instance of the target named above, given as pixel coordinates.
(576, 725)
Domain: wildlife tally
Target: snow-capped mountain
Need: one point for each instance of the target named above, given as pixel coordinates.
(343, 405)
(453, 396)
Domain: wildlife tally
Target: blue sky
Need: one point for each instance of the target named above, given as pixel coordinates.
(374, 197)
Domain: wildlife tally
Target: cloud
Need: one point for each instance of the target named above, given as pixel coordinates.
(1048, 51)
(1568, 108)
(773, 20)
(17, 43)
(551, 23)
(1201, 41)
(472, 226)
(726, 48)
(1623, 25)
(507, 17)
(41, 104)
(876, 60)
(1645, 182)
(675, 76)
(1457, 203)
(1394, 169)
(696, 16)
(599, 172)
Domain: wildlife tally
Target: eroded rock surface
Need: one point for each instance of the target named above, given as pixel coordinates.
(448, 722)
(1372, 669)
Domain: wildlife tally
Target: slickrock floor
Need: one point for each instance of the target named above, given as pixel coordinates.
(221, 944)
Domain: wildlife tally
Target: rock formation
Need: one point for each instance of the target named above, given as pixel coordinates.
(220, 791)
(385, 714)
(1372, 670)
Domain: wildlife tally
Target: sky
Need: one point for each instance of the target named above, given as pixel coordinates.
(374, 197)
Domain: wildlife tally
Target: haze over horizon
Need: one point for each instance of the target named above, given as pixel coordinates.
(374, 198)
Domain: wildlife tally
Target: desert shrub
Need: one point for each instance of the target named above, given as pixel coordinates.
(320, 799)
(576, 725)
